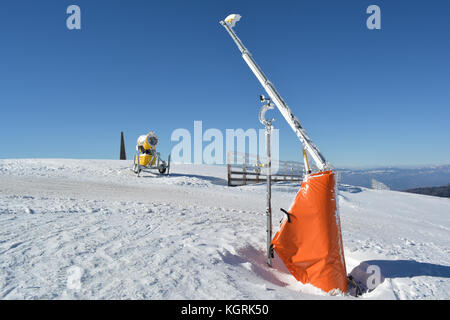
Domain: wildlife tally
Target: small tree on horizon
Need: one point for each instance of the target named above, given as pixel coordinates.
(123, 155)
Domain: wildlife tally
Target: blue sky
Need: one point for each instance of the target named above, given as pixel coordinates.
(365, 97)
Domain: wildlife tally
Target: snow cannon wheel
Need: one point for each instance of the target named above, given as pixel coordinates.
(162, 169)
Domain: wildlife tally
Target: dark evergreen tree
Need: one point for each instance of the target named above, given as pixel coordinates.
(123, 155)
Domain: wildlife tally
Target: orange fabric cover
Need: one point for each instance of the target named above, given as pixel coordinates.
(311, 244)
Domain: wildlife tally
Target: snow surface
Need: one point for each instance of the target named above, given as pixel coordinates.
(90, 229)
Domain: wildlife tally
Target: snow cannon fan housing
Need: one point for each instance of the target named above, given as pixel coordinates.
(149, 141)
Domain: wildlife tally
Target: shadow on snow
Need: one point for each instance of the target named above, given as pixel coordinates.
(258, 262)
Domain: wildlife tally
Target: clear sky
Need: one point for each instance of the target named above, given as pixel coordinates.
(365, 97)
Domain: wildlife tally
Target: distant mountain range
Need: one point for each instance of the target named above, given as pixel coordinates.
(398, 178)
(443, 191)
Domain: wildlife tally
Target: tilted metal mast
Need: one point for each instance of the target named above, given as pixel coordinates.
(318, 158)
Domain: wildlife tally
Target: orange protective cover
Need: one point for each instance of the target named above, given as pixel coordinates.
(311, 244)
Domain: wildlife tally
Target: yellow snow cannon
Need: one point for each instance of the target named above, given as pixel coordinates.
(147, 158)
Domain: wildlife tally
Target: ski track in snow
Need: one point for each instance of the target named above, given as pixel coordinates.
(189, 236)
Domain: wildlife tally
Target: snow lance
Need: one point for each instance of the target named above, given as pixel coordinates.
(146, 157)
(309, 241)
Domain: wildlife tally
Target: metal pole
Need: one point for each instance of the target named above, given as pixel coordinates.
(269, 127)
(269, 194)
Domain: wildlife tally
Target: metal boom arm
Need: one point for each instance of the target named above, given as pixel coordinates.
(275, 96)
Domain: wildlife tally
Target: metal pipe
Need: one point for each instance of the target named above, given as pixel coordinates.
(278, 100)
(269, 127)
(269, 195)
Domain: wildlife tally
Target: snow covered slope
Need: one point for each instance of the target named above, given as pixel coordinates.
(90, 229)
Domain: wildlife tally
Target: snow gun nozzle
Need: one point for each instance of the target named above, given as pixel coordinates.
(231, 20)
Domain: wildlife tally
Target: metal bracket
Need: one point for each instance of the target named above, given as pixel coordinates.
(262, 113)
